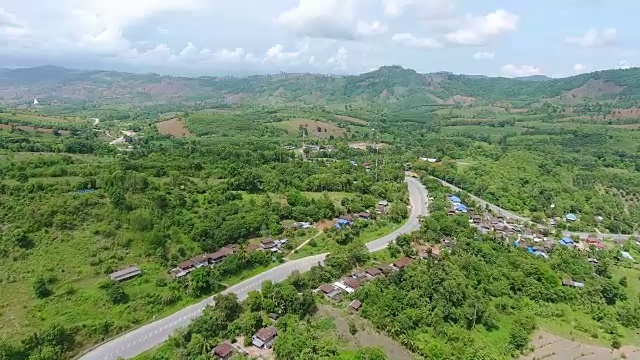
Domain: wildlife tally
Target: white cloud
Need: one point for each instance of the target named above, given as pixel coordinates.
(581, 68)
(365, 28)
(483, 56)
(480, 30)
(331, 19)
(339, 60)
(162, 31)
(409, 39)
(524, 70)
(595, 39)
(232, 56)
(277, 54)
(624, 64)
(11, 28)
(424, 9)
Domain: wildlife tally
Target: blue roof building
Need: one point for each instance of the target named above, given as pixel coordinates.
(342, 223)
(571, 217)
(455, 200)
(461, 208)
(567, 241)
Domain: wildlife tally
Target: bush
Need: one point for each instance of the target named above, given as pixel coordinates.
(41, 288)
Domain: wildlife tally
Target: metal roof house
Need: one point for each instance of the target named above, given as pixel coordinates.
(455, 200)
(571, 217)
(567, 241)
(125, 274)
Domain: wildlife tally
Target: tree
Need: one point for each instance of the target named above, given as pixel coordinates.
(41, 288)
(21, 239)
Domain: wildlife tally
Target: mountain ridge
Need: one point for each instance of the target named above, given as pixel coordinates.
(388, 84)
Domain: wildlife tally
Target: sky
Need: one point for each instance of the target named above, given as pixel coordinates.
(557, 38)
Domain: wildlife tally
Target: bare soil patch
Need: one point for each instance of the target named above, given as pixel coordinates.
(593, 89)
(315, 128)
(366, 336)
(351, 119)
(552, 347)
(459, 99)
(32, 129)
(174, 127)
(366, 145)
(626, 113)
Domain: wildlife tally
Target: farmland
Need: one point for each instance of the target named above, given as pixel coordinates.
(313, 128)
(174, 127)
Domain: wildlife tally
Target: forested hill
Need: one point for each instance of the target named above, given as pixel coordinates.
(389, 84)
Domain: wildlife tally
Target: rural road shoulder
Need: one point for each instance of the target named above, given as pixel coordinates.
(148, 336)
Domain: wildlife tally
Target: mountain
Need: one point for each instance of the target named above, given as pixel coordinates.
(387, 85)
(534, 78)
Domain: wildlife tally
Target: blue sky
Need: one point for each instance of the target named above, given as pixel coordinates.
(218, 37)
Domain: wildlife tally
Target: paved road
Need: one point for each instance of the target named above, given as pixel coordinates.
(151, 335)
(497, 209)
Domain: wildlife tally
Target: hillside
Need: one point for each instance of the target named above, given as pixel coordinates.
(387, 85)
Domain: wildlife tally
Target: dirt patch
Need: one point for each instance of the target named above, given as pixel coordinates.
(551, 347)
(315, 128)
(32, 129)
(232, 99)
(324, 224)
(351, 119)
(174, 127)
(366, 335)
(365, 145)
(626, 113)
(593, 89)
(459, 99)
(251, 351)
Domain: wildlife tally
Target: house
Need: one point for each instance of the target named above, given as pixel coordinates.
(347, 217)
(264, 338)
(223, 351)
(381, 210)
(383, 203)
(571, 217)
(626, 255)
(352, 284)
(435, 252)
(373, 272)
(571, 283)
(594, 241)
(476, 219)
(268, 244)
(125, 274)
(452, 211)
(567, 241)
(341, 223)
(365, 215)
(402, 263)
(461, 208)
(385, 268)
(455, 200)
(360, 275)
(355, 305)
(330, 291)
(178, 273)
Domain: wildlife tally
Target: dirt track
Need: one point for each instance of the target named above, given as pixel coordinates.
(551, 347)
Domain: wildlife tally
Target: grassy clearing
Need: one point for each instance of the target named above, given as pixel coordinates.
(174, 127)
(315, 128)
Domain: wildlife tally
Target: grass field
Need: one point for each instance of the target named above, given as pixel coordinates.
(315, 128)
(174, 127)
(352, 119)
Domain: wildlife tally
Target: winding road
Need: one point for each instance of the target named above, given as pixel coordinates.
(153, 334)
(497, 209)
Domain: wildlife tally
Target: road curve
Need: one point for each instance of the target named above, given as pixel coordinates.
(495, 208)
(153, 334)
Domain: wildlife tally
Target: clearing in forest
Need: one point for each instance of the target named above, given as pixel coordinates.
(174, 127)
(315, 128)
(551, 347)
(32, 129)
(367, 336)
(351, 119)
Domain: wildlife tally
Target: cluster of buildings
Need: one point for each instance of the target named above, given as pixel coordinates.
(187, 266)
(350, 284)
(263, 339)
(382, 208)
(457, 206)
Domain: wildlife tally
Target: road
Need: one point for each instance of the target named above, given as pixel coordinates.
(497, 209)
(153, 334)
